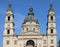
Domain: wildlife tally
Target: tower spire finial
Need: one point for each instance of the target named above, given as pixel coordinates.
(9, 2)
(31, 5)
(51, 1)
(51, 5)
(30, 10)
(9, 6)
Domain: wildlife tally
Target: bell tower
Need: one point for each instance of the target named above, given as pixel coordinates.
(51, 27)
(51, 23)
(8, 28)
(9, 23)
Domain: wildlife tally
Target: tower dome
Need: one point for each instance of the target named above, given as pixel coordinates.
(30, 17)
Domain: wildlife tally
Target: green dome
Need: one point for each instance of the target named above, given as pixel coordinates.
(30, 17)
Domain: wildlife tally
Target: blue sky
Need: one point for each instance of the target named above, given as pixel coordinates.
(20, 9)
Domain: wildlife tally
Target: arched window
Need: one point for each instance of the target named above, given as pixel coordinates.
(7, 42)
(33, 29)
(51, 46)
(52, 18)
(8, 18)
(8, 31)
(15, 42)
(51, 41)
(27, 29)
(23, 28)
(44, 41)
(51, 30)
(30, 42)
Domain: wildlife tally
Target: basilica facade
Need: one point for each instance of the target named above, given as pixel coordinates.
(30, 35)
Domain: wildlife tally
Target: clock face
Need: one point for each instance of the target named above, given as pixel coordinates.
(8, 27)
(52, 14)
(51, 24)
(8, 14)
